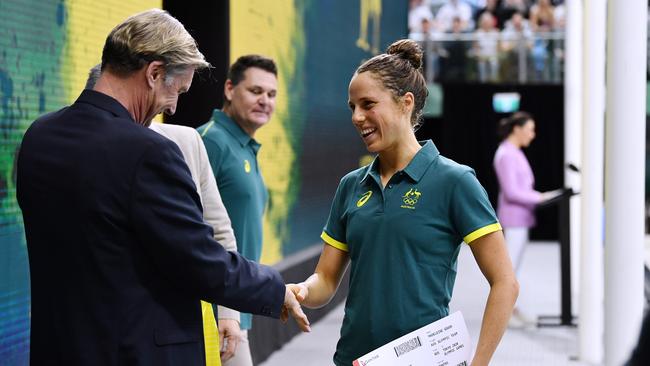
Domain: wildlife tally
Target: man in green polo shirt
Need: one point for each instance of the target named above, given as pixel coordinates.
(229, 137)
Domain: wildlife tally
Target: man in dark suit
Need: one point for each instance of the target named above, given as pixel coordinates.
(119, 253)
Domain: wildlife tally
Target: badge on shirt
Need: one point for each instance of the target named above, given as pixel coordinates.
(247, 166)
(410, 198)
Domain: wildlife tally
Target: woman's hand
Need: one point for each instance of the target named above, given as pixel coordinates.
(292, 307)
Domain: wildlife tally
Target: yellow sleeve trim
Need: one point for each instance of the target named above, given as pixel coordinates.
(333, 242)
(207, 128)
(482, 232)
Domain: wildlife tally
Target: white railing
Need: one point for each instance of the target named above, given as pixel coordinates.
(498, 57)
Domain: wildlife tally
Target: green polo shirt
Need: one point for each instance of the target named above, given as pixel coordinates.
(233, 157)
(403, 242)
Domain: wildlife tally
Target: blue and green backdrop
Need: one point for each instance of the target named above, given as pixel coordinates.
(46, 49)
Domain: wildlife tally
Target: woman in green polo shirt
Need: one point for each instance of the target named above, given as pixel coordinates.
(400, 222)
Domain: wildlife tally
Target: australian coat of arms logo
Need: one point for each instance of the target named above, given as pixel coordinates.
(410, 198)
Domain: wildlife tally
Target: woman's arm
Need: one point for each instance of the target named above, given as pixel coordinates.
(492, 258)
(317, 290)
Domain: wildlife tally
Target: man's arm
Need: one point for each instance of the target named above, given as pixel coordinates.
(165, 211)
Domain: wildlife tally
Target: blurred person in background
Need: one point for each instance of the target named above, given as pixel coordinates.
(559, 17)
(559, 25)
(517, 196)
(542, 20)
(418, 11)
(400, 221)
(429, 39)
(495, 8)
(486, 49)
(515, 6)
(454, 54)
(542, 16)
(452, 10)
(516, 44)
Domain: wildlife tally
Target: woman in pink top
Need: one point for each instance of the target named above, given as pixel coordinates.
(517, 197)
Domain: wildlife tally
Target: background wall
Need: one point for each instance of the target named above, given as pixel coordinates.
(209, 24)
(310, 143)
(46, 49)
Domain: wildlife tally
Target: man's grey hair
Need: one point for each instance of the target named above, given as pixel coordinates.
(152, 35)
(93, 75)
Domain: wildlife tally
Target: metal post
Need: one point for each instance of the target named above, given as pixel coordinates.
(625, 177)
(428, 44)
(523, 65)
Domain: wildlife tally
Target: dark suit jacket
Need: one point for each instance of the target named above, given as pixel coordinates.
(119, 253)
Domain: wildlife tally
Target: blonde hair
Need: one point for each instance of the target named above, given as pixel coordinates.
(152, 35)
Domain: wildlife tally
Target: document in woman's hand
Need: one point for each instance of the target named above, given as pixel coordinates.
(443, 342)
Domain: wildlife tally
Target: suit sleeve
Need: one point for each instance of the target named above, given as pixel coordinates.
(167, 218)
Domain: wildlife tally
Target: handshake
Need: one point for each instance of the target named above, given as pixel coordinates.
(230, 334)
(294, 295)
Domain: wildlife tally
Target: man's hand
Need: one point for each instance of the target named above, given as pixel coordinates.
(292, 306)
(299, 290)
(230, 335)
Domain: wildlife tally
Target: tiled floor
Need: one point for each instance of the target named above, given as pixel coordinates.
(539, 295)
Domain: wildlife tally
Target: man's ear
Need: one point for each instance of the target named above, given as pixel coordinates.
(154, 71)
(227, 90)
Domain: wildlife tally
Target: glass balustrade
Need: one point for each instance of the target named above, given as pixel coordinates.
(493, 57)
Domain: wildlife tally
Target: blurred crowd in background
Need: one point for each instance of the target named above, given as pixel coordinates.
(490, 40)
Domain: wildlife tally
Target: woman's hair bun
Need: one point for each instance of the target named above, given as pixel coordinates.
(407, 49)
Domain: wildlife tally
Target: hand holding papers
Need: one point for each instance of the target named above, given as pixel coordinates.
(549, 195)
(442, 343)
